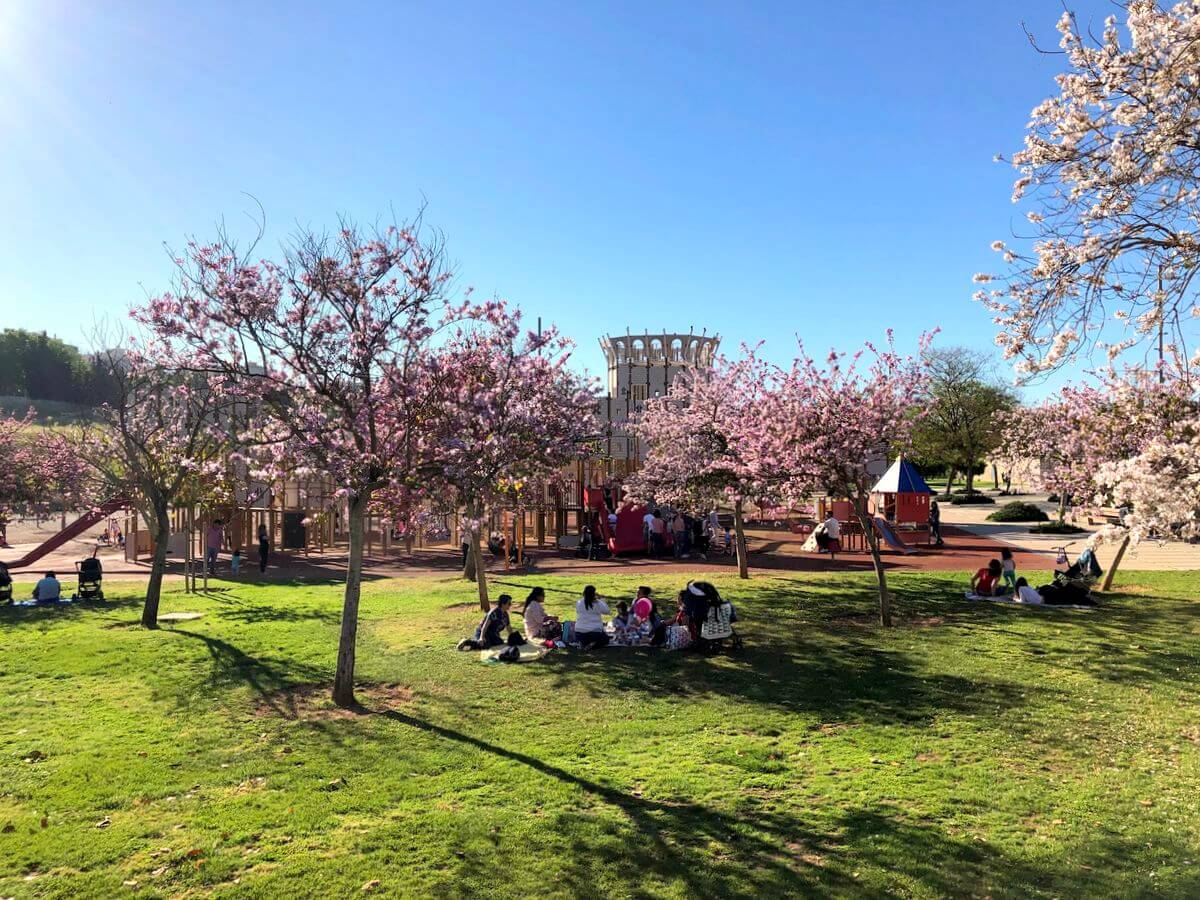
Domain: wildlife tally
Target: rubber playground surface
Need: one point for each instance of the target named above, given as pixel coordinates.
(771, 549)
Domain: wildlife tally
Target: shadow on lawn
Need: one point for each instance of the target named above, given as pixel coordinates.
(55, 612)
(756, 849)
(269, 680)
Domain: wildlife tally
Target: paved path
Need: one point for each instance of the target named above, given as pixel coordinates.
(1153, 556)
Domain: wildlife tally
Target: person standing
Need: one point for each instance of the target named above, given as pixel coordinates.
(935, 523)
(833, 534)
(213, 540)
(264, 547)
(679, 535)
(658, 533)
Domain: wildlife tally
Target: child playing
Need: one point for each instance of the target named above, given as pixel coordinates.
(235, 561)
(1008, 567)
(986, 581)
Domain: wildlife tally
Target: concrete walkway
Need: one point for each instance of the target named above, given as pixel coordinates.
(1169, 556)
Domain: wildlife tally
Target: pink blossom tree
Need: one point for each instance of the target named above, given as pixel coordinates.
(161, 441)
(823, 427)
(513, 413)
(1111, 171)
(39, 464)
(1080, 440)
(702, 442)
(330, 347)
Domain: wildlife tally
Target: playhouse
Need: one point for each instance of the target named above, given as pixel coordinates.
(901, 497)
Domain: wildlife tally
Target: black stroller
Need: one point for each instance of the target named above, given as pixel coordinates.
(5, 585)
(90, 575)
(1072, 586)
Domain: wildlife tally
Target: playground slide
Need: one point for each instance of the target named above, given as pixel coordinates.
(594, 498)
(72, 531)
(890, 537)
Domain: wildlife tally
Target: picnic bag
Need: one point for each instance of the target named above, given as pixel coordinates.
(678, 637)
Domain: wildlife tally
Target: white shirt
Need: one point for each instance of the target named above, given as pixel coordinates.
(48, 589)
(587, 620)
(1026, 594)
(833, 528)
(534, 615)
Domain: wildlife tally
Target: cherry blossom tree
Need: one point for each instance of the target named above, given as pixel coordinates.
(1111, 171)
(161, 441)
(823, 426)
(1159, 486)
(329, 347)
(702, 442)
(39, 464)
(512, 412)
(1083, 440)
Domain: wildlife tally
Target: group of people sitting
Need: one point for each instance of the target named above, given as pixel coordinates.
(999, 579)
(702, 619)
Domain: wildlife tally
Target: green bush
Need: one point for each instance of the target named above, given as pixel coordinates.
(975, 499)
(1018, 512)
(1057, 528)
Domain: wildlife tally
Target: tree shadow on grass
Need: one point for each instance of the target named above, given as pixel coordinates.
(768, 848)
(58, 612)
(270, 680)
(245, 611)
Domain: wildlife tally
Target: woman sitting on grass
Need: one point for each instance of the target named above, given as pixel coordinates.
(489, 632)
(537, 623)
(589, 626)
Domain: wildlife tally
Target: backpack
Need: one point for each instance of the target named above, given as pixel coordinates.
(511, 653)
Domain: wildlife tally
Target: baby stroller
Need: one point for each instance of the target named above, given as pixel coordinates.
(1073, 585)
(90, 574)
(716, 632)
(5, 585)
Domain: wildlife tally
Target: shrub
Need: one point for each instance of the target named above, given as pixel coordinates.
(1057, 528)
(975, 499)
(1018, 512)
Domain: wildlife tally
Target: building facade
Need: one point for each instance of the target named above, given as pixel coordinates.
(642, 366)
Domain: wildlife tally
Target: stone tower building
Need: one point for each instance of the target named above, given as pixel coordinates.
(641, 366)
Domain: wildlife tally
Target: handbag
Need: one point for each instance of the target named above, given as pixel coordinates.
(678, 637)
(718, 628)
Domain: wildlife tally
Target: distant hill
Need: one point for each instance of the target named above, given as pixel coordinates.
(48, 412)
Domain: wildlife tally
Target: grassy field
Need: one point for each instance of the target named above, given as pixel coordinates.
(975, 750)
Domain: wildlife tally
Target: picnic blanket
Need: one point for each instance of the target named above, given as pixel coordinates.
(59, 602)
(529, 653)
(1009, 601)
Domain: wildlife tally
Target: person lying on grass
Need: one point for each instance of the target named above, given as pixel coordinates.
(986, 582)
(1026, 594)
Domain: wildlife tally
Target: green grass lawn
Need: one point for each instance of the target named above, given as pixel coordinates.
(974, 750)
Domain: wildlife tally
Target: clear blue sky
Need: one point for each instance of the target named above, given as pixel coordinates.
(760, 169)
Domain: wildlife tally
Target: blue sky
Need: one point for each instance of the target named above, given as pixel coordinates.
(763, 170)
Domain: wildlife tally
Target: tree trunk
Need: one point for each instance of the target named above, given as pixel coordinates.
(476, 556)
(158, 567)
(950, 481)
(885, 600)
(1112, 570)
(1062, 507)
(469, 536)
(739, 540)
(970, 479)
(343, 681)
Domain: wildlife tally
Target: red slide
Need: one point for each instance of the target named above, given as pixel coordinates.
(72, 531)
(594, 500)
